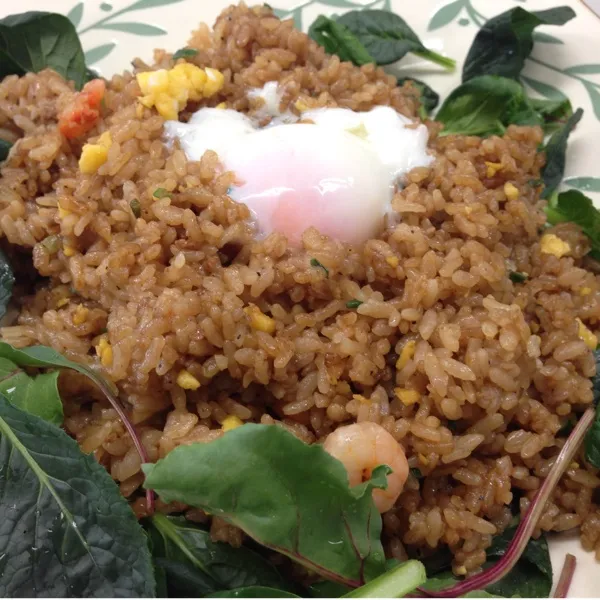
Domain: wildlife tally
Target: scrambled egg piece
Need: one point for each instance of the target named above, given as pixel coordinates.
(493, 168)
(105, 352)
(169, 90)
(187, 381)
(231, 422)
(258, 319)
(408, 351)
(393, 261)
(511, 191)
(552, 244)
(406, 396)
(591, 340)
(81, 315)
(93, 156)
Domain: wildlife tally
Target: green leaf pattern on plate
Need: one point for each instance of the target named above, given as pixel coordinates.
(445, 15)
(96, 54)
(585, 184)
(75, 14)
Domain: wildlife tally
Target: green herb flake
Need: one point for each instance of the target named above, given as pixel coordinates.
(505, 41)
(185, 53)
(7, 280)
(517, 277)
(315, 263)
(51, 243)
(353, 303)
(4, 149)
(416, 473)
(136, 208)
(161, 193)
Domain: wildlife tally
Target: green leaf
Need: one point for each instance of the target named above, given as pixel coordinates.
(446, 14)
(337, 39)
(544, 38)
(554, 113)
(395, 583)
(227, 566)
(589, 69)
(592, 438)
(505, 41)
(594, 98)
(517, 277)
(4, 149)
(486, 106)
(585, 184)
(7, 280)
(254, 592)
(33, 41)
(388, 38)
(185, 53)
(135, 28)
(185, 581)
(545, 89)
(429, 98)
(447, 579)
(339, 3)
(96, 54)
(556, 154)
(65, 529)
(317, 264)
(327, 589)
(75, 14)
(287, 495)
(143, 4)
(36, 395)
(574, 207)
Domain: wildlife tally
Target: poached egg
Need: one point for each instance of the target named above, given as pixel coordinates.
(336, 170)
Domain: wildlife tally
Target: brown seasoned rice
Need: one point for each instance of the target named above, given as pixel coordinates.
(499, 367)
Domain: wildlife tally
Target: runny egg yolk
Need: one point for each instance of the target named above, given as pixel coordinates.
(336, 173)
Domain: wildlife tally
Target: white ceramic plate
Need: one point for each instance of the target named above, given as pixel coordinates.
(565, 61)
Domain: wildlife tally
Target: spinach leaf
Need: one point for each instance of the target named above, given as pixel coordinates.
(429, 98)
(505, 41)
(575, 207)
(287, 495)
(388, 38)
(327, 589)
(554, 113)
(395, 583)
(592, 439)
(184, 580)
(447, 579)
(36, 395)
(7, 280)
(254, 592)
(556, 154)
(486, 106)
(338, 39)
(531, 577)
(33, 41)
(185, 53)
(227, 566)
(65, 529)
(4, 149)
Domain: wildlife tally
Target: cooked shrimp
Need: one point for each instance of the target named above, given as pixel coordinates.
(83, 112)
(361, 448)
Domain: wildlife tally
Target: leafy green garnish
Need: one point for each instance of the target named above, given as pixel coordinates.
(224, 566)
(338, 39)
(33, 41)
(289, 496)
(136, 208)
(554, 113)
(517, 277)
(161, 193)
(416, 473)
(592, 439)
(556, 154)
(388, 38)
(395, 583)
(315, 263)
(486, 105)
(505, 41)
(66, 529)
(575, 207)
(447, 579)
(429, 98)
(254, 592)
(185, 53)
(4, 149)
(353, 303)
(36, 395)
(7, 280)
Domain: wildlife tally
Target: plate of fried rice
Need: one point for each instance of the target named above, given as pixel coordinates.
(304, 303)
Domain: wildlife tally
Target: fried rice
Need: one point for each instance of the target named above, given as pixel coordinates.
(499, 366)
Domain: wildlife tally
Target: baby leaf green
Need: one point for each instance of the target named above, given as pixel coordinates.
(338, 39)
(556, 154)
(429, 97)
(289, 496)
(505, 41)
(65, 529)
(388, 37)
(228, 567)
(37, 395)
(33, 41)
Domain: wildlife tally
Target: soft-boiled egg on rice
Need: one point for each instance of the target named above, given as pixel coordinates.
(335, 171)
